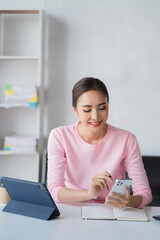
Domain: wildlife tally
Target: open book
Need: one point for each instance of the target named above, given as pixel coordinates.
(109, 213)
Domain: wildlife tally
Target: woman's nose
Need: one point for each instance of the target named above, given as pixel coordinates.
(94, 114)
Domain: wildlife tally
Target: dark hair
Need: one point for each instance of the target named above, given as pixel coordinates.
(87, 84)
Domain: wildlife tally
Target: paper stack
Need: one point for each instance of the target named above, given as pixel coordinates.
(20, 144)
(21, 95)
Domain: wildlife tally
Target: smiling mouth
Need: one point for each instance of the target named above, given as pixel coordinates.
(96, 124)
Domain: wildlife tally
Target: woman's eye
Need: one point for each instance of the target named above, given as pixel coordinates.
(86, 110)
(102, 108)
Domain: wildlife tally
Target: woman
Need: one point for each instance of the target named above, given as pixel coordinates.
(86, 158)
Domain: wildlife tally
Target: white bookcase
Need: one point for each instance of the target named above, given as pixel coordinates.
(21, 62)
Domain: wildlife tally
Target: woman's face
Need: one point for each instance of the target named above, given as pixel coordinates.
(92, 110)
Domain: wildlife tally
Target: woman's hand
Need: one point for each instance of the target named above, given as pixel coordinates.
(121, 201)
(98, 183)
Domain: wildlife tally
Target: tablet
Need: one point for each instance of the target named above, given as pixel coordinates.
(30, 199)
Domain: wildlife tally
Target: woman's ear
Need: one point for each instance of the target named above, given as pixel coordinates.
(75, 111)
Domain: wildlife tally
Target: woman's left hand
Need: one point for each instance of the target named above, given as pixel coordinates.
(121, 201)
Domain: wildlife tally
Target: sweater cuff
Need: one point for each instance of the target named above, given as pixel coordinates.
(145, 200)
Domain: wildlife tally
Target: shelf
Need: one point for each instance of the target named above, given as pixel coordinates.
(19, 11)
(3, 105)
(18, 58)
(2, 152)
(22, 36)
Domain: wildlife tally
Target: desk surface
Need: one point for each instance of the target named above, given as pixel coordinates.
(70, 226)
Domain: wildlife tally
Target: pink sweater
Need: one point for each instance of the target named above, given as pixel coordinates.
(72, 162)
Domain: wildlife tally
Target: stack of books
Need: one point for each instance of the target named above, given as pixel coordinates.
(21, 95)
(20, 144)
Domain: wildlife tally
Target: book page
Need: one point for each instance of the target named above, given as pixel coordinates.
(130, 214)
(97, 212)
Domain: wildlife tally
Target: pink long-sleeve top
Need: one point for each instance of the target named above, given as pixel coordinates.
(72, 161)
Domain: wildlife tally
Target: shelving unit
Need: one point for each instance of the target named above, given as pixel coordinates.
(21, 62)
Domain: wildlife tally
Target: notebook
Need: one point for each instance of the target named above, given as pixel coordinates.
(30, 199)
(108, 213)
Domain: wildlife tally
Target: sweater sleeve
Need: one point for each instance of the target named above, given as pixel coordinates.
(56, 164)
(135, 168)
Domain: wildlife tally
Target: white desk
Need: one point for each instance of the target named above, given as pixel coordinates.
(70, 226)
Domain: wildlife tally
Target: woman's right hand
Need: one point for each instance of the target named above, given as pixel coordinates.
(98, 183)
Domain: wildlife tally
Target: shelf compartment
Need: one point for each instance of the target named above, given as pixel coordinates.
(25, 118)
(18, 36)
(12, 165)
(17, 72)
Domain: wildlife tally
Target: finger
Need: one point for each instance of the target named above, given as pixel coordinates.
(115, 203)
(120, 197)
(113, 200)
(104, 182)
(106, 185)
(105, 173)
(99, 183)
(127, 192)
(110, 176)
(120, 206)
(105, 177)
(111, 204)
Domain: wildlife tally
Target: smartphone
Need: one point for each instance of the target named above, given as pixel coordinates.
(118, 187)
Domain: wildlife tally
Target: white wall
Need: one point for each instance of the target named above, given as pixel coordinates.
(114, 40)
(118, 42)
